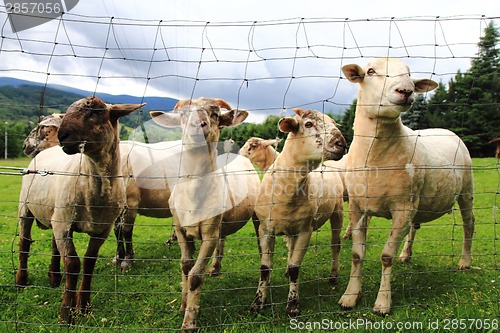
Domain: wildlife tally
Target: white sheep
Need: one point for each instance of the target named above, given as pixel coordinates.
(298, 195)
(207, 203)
(43, 136)
(395, 172)
(145, 165)
(78, 187)
(260, 152)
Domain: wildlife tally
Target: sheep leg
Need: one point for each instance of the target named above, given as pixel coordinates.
(187, 248)
(55, 276)
(64, 241)
(465, 202)
(348, 232)
(83, 298)
(299, 244)
(217, 260)
(256, 224)
(25, 223)
(353, 291)
(400, 227)
(407, 251)
(195, 280)
(336, 221)
(266, 241)
(120, 246)
(124, 227)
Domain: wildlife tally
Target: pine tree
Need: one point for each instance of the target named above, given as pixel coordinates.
(470, 106)
(347, 122)
(475, 97)
(415, 118)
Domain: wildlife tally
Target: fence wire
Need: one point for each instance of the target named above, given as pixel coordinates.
(289, 58)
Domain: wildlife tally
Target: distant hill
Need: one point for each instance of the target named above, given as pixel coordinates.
(21, 100)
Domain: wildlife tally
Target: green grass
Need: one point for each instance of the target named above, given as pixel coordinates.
(147, 297)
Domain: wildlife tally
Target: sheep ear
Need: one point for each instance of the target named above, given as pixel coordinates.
(223, 104)
(182, 103)
(54, 120)
(288, 124)
(300, 112)
(166, 119)
(353, 73)
(270, 142)
(424, 85)
(119, 110)
(232, 118)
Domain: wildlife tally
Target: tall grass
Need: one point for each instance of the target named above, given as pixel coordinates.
(147, 297)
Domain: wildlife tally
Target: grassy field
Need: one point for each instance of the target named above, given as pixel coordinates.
(428, 293)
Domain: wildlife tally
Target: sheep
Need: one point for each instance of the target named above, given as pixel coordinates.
(43, 136)
(144, 164)
(297, 195)
(260, 152)
(394, 172)
(75, 187)
(497, 142)
(206, 203)
(147, 195)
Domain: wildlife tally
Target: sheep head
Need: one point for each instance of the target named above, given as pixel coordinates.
(255, 146)
(90, 125)
(386, 87)
(316, 133)
(43, 136)
(200, 119)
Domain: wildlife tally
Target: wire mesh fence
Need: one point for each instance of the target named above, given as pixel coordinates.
(298, 63)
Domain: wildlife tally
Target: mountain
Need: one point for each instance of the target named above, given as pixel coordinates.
(21, 99)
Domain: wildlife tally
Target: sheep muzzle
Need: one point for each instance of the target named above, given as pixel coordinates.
(336, 147)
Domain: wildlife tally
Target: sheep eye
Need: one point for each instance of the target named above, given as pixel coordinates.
(371, 72)
(308, 124)
(215, 116)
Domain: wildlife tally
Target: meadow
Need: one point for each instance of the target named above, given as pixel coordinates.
(428, 294)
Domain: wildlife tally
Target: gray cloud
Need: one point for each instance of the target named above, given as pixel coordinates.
(265, 67)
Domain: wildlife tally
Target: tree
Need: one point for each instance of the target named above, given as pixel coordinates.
(470, 106)
(415, 118)
(475, 97)
(347, 122)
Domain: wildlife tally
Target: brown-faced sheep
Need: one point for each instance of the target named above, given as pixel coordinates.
(78, 187)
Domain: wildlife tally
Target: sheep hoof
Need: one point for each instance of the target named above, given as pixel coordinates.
(55, 279)
(464, 264)
(333, 280)
(214, 271)
(381, 310)
(463, 267)
(188, 328)
(21, 279)
(257, 306)
(126, 264)
(348, 302)
(405, 258)
(292, 309)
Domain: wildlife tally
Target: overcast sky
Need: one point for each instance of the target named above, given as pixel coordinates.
(264, 56)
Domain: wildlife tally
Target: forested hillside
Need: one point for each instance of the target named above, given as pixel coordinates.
(469, 105)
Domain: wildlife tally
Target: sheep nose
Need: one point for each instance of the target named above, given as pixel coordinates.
(340, 143)
(406, 93)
